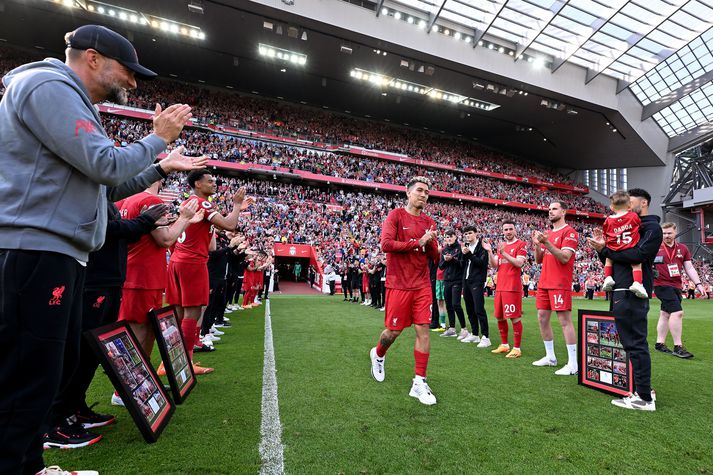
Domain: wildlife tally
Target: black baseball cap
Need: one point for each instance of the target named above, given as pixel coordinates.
(110, 44)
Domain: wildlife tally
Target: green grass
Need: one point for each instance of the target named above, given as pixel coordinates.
(493, 415)
(216, 430)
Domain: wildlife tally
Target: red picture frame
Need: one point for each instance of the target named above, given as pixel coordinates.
(172, 346)
(603, 363)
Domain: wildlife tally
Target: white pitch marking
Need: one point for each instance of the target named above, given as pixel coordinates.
(271, 449)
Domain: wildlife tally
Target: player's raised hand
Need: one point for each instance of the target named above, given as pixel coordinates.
(487, 246)
(538, 237)
(597, 241)
(177, 162)
(198, 217)
(169, 123)
(188, 209)
(155, 213)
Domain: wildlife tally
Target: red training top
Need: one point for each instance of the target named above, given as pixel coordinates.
(146, 261)
(406, 260)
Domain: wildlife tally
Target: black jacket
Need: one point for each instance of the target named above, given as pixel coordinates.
(453, 269)
(478, 261)
(644, 252)
(106, 267)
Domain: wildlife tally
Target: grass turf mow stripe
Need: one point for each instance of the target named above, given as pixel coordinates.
(271, 450)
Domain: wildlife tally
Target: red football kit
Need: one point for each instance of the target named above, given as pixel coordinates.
(408, 284)
(554, 290)
(188, 284)
(145, 265)
(508, 294)
(622, 232)
(669, 265)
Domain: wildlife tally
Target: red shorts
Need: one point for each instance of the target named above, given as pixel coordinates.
(508, 304)
(407, 307)
(559, 300)
(365, 284)
(136, 303)
(187, 284)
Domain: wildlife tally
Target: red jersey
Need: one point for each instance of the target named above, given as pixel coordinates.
(192, 245)
(406, 260)
(440, 273)
(669, 264)
(556, 275)
(622, 232)
(146, 261)
(508, 274)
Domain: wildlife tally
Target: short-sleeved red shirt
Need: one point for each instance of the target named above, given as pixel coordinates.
(508, 274)
(193, 244)
(622, 232)
(146, 261)
(556, 275)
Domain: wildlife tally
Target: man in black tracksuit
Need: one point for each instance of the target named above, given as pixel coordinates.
(451, 264)
(105, 275)
(630, 311)
(475, 270)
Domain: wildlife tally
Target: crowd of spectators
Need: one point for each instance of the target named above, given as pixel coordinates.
(236, 149)
(256, 113)
(341, 223)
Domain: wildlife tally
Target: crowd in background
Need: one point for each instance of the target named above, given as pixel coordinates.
(240, 150)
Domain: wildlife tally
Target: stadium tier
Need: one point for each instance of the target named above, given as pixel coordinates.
(264, 219)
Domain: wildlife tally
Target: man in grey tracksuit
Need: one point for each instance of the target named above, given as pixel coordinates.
(57, 163)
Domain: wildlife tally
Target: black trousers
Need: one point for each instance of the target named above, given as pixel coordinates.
(590, 294)
(332, 287)
(99, 307)
(266, 288)
(452, 291)
(347, 287)
(216, 306)
(630, 316)
(525, 290)
(376, 294)
(435, 320)
(40, 321)
(233, 285)
(475, 307)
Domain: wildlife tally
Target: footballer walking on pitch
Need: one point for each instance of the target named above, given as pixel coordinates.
(408, 237)
(555, 250)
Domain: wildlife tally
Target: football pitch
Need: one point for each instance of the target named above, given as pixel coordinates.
(493, 415)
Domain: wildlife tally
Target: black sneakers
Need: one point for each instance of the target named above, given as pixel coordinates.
(90, 419)
(663, 348)
(681, 352)
(70, 436)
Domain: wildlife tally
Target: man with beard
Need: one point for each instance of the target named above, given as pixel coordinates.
(58, 163)
(408, 238)
(555, 251)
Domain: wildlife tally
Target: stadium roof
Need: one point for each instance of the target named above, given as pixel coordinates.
(557, 82)
(653, 46)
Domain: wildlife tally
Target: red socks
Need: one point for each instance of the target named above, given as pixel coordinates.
(421, 362)
(188, 328)
(608, 271)
(503, 328)
(638, 277)
(517, 333)
(380, 350)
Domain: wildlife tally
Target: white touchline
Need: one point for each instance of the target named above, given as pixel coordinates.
(271, 449)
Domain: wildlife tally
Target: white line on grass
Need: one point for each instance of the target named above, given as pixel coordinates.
(271, 449)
